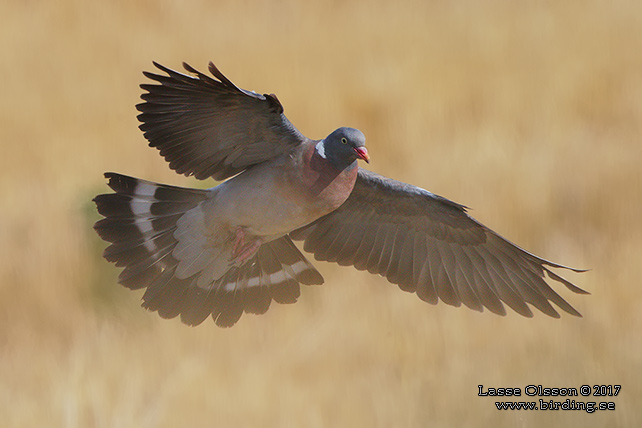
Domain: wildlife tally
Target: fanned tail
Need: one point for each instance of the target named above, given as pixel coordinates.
(140, 220)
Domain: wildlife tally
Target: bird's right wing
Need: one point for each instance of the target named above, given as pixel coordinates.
(211, 128)
(429, 244)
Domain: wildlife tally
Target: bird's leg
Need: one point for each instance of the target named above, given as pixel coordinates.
(243, 250)
(238, 241)
(248, 251)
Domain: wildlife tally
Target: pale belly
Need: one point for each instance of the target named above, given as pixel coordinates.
(267, 204)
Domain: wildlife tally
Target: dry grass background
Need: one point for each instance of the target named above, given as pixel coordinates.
(530, 112)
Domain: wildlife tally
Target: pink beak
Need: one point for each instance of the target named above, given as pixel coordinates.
(362, 153)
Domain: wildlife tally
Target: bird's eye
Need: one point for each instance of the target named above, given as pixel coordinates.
(344, 141)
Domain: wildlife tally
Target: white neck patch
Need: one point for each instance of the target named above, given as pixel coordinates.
(320, 147)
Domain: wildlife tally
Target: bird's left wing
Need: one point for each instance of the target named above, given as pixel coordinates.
(208, 127)
(430, 245)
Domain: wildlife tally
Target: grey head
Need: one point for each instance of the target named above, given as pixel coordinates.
(344, 146)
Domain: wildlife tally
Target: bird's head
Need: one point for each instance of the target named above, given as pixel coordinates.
(344, 146)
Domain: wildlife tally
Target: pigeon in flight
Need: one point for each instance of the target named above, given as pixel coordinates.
(229, 249)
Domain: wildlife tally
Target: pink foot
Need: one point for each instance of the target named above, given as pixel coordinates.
(248, 251)
(243, 250)
(238, 241)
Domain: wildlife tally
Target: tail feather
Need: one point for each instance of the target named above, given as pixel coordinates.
(140, 222)
(141, 279)
(198, 305)
(258, 300)
(250, 288)
(139, 249)
(160, 261)
(124, 229)
(284, 288)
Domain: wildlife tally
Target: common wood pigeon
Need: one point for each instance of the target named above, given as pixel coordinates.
(228, 250)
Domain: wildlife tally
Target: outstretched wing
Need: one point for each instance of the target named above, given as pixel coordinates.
(211, 128)
(430, 245)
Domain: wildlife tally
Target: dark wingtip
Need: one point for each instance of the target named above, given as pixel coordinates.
(559, 266)
(160, 67)
(570, 310)
(576, 269)
(220, 76)
(189, 68)
(574, 288)
(214, 69)
(207, 79)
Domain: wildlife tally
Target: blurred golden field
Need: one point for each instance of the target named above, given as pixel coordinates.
(529, 112)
